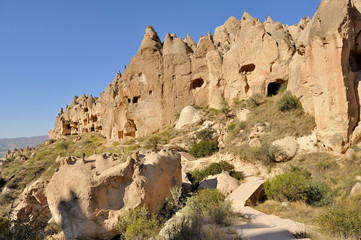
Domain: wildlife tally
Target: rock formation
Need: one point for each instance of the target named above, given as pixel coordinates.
(87, 197)
(33, 204)
(223, 182)
(319, 57)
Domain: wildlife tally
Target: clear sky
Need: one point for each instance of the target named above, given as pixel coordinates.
(52, 50)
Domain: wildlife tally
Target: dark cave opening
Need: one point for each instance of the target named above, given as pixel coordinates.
(273, 88)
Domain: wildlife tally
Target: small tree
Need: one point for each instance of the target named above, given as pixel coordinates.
(152, 143)
(225, 108)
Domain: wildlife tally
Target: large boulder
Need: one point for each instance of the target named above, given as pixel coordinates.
(188, 116)
(223, 182)
(87, 197)
(288, 148)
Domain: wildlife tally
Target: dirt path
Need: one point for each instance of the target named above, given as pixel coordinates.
(261, 226)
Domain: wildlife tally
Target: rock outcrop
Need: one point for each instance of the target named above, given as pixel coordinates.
(188, 116)
(288, 147)
(223, 182)
(33, 204)
(86, 197)
(319, 57)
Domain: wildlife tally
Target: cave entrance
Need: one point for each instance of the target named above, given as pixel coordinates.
(197, 83)
(355, 60)
(274, 87)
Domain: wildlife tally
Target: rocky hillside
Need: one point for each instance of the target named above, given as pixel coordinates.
(10, 143)
(319, 57)
(253, 99)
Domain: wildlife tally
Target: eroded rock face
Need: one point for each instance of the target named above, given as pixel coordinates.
(33, 204)
(87, 197)
(319, 57)
(326, 70)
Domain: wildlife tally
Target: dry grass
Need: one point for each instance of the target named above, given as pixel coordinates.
(339, 173)
(297, 211)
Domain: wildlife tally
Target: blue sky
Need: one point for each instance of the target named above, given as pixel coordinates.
(51, 50)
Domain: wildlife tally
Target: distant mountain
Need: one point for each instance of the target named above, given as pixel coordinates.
(22, 142)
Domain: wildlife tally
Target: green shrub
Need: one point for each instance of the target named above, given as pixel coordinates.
(282, 88)
(235, 127)
(267, 153)
(64, 145)
(342, 220)
(138, 223)
(205, 134)
(297, 185)
(215, 168)
(288, 102)
(129, 142)
(13, 230)
(225, 108)
(211, 205)
(189, 228)
(203, 149)
(256, 100)
(153, 143)
(236, 100)
(207, 206)
(175, 202)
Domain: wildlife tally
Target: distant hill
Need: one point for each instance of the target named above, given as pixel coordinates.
(22, 142)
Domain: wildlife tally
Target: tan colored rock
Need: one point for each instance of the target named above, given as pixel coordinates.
(33, 203)
(356, 189)
(254, 143)
(288, 146)
(242, 114)
(86, 199)
(350, 153)
(188, 116)
(324, 71)
(308, 143)
(319, 57)
(257, 131)
(223, 182)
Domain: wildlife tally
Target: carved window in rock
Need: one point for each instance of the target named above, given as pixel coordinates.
(197, 83)
(135, 99)
(247, 69)
(274, 87)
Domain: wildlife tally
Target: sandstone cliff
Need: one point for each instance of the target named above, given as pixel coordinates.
(319, 57)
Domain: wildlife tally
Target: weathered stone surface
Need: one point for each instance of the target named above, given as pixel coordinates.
(308, 143)
(288, 146)
(356, 189)
(254, 142)
(87, 197)
(319, 57)
(33, 203)
(242, 114)
(223, 182)
(325, 71)
(188, 116)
